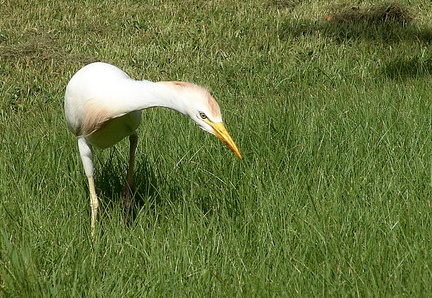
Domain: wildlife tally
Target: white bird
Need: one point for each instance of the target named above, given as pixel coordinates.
(103, 105)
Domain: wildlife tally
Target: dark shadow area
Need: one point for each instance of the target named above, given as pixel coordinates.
(110, 180)
(373, 15)
(408, 67)
(110, 176)
(386, 23)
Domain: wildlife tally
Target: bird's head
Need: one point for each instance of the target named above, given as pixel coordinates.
(203, 109)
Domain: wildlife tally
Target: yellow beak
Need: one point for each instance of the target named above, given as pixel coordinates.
(223, 135)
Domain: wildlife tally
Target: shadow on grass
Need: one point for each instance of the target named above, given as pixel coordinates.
(408, 67)
(386, 23)
(110, 182)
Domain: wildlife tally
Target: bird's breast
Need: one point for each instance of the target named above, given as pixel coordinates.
(114, 130)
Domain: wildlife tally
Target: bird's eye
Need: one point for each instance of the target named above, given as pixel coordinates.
(203, 115)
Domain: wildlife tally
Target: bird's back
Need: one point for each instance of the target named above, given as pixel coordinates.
(91, 98)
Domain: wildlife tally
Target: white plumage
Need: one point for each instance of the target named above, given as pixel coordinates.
(103, 105)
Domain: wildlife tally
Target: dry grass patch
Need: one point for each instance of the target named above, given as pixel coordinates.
(375, 14)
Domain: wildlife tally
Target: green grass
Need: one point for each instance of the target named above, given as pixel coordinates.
(334, 119)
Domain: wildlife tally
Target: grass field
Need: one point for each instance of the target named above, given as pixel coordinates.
(328, 101)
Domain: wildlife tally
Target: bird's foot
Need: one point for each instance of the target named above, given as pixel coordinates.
(128, 192)
(129, 204)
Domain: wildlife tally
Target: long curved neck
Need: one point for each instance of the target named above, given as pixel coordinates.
(141, 95)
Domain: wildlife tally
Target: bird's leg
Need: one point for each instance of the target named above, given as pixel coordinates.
(87, 160)
(129, 188)
(94, 204)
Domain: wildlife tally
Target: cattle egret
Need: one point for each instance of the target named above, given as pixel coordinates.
(103, 105)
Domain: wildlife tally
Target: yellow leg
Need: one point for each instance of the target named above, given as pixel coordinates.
(94, 204)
